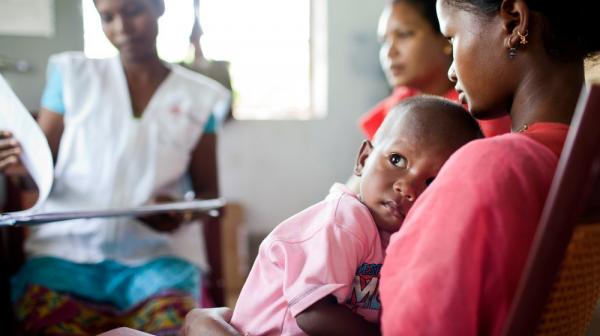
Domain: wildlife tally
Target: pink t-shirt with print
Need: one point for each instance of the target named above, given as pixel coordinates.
(330, 248)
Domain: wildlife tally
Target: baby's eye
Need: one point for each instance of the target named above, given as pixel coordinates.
(429, 180)
(402, 34)
(106, 18)
(398, 160)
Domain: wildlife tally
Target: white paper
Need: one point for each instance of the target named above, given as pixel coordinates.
(36, 155)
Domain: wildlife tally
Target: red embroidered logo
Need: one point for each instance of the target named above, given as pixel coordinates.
(175, 110)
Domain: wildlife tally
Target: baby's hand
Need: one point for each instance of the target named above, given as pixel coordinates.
(10, 149)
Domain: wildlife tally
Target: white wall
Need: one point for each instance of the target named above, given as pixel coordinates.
(36, 49)
(277, 168)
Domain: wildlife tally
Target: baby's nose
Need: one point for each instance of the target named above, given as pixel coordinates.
(406, 189)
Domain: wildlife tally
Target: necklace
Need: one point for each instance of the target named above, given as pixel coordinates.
(522, 128)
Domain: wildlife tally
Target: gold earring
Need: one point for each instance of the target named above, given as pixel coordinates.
(447, 50)
(523, 37)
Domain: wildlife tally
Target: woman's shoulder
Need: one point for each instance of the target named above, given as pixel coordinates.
(195, 80)
(505, 150)
(507, 162)
(76, 57)
(70, 56)
(78, 63)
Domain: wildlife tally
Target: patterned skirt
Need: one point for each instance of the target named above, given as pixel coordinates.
(42, 311)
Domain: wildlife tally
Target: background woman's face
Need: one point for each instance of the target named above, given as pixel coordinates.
(130, 25)
(480, 70)
(412, 52)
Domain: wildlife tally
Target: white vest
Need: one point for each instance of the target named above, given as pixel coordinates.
(108, 159)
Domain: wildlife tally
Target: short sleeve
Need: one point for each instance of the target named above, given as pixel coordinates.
(221, 109)
(326, 262)
(211, 125)
(53, 96)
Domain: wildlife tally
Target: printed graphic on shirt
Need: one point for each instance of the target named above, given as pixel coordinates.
(365, 288)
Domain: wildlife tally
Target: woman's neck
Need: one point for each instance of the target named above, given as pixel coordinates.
(547, 95)
(143, 79)
(144, 69)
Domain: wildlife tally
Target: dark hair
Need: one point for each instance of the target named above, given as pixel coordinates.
(426, 8)
(569, 30)
(435, 116)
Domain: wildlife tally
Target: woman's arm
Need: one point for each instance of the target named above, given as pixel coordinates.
(10, 149)
(208, 322)
(52, 124)
(203, 167)
(10, 165)
(327, 317)
(205, 181)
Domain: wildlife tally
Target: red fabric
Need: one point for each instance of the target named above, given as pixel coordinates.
(454, 266)
(370, 122)
(552, 135)
(495, 127)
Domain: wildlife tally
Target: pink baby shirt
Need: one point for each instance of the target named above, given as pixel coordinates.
(332, 247)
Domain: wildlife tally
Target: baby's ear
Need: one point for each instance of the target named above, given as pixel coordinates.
(363, 153)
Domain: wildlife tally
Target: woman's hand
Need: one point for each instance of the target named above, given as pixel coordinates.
(167, 222)
(10, 149)
(170, 221)
(209, 322)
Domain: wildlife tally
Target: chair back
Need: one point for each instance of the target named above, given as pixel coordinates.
(560, 285)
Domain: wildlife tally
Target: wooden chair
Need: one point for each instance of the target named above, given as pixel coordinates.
(560, 286)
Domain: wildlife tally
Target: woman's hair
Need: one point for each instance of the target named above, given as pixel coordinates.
(569, 28)
(426, 8)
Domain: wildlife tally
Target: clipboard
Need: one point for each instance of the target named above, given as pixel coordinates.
(210, 207)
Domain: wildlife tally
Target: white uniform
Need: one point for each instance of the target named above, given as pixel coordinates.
(107, 158)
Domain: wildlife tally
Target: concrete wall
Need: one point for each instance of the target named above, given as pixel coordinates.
(277, 168)
(35, 50)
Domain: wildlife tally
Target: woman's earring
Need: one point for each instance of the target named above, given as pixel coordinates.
(523, 37)
(447, 50)
(512, 52)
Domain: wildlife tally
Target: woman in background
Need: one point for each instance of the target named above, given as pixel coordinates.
(415, 58)
(124, 131)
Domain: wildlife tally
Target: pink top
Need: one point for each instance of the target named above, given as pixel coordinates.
(454, 266)
(333, 247)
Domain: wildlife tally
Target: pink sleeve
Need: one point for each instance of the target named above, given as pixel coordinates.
(326, 262)
(453, 268)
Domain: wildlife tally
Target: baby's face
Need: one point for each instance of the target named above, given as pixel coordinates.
(396, 171)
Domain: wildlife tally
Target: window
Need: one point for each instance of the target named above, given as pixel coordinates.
(275, 50)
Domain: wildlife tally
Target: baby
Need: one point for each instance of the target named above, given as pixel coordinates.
(318, 271)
